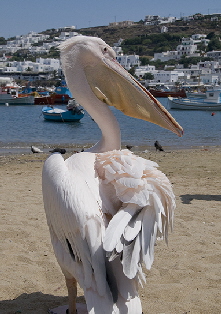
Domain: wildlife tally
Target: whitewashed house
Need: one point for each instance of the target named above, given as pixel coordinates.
(210, 79)
(141, 70)
(51, 62)
(165, 56)
(128, 61)
(66, 35)
(216, 55)
(167, 77)
(188, 47)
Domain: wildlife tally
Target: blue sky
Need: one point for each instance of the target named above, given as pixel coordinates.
(18, 17)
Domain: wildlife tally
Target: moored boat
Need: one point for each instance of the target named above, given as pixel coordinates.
(9, 96)
(73, 113)
(167, 93)
(196, 94)
(62, 94)
(44, 100)
(212, 102)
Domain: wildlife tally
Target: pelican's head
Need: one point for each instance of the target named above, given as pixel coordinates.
(111, 83)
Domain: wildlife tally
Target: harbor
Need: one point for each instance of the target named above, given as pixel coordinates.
(23, 126)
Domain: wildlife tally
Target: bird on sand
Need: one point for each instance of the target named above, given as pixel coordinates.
(105, 206)
(129, 147)
(58, 150)
(36, 150)
(158, 146)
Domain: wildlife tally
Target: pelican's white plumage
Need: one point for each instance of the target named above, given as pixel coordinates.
(105, 207)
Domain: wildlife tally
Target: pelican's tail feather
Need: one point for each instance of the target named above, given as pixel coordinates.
(146, 213)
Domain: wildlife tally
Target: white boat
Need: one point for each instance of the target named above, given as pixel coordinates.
(196, 94)
(9, 96)
(211, 102)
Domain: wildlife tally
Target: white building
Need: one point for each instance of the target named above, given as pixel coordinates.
(216, 55)
(53, 63)
(186, 50)
(167, 77)
(128, 61)
(23, 42)
(156, 19)
(165, 56)
(66, 35)
(210, 79)
(188, 47)
(141, 70)
(41, 65)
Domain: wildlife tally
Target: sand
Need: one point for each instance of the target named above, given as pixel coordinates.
(186, 275)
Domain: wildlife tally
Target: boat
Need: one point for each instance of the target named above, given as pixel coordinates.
(9, 96)
(167, 93)
(196, 94)
(62, 94)
(72, 113)
(211, 102)
(44, 100)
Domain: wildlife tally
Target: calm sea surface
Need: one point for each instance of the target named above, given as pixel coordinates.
(23, 126)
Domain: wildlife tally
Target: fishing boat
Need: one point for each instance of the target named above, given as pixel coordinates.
(9, 96)
(73, 113)
(44, 100)
(196, 94)
(62, 94)
(211, 102)
(167, 93)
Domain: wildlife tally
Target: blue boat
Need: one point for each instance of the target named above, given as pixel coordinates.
(73, 113)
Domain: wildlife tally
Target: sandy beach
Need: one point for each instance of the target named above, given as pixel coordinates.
(186, 274)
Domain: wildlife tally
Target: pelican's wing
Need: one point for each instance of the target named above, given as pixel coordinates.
(74, 216)
(147, 208)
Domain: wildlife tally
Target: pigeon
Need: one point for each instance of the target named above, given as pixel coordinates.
(158, 146)
(129, 147)
(58, 150)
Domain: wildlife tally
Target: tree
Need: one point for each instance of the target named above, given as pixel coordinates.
(3, 41)
(214, 44)
(132, 71)
(144, 60)
(211, 35)
(148, 76)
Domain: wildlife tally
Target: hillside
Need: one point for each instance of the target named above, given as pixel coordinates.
(112, 34)
(147, 47)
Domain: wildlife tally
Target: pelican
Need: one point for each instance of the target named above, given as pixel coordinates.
(105, 207)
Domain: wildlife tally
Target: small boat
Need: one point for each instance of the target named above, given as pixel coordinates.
(167, 93)
(9, 96)
(211, 102)
(72, 114)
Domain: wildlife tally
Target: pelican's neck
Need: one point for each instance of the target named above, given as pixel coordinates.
(99, 111)
(110, 129)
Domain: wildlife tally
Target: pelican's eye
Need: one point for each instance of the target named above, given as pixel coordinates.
(105, 49)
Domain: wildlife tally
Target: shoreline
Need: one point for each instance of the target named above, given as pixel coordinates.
(73, 148)
(185, 276)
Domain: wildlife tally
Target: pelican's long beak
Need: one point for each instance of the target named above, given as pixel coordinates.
(113, 85)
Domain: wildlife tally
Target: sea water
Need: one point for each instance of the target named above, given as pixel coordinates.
(23, 126)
